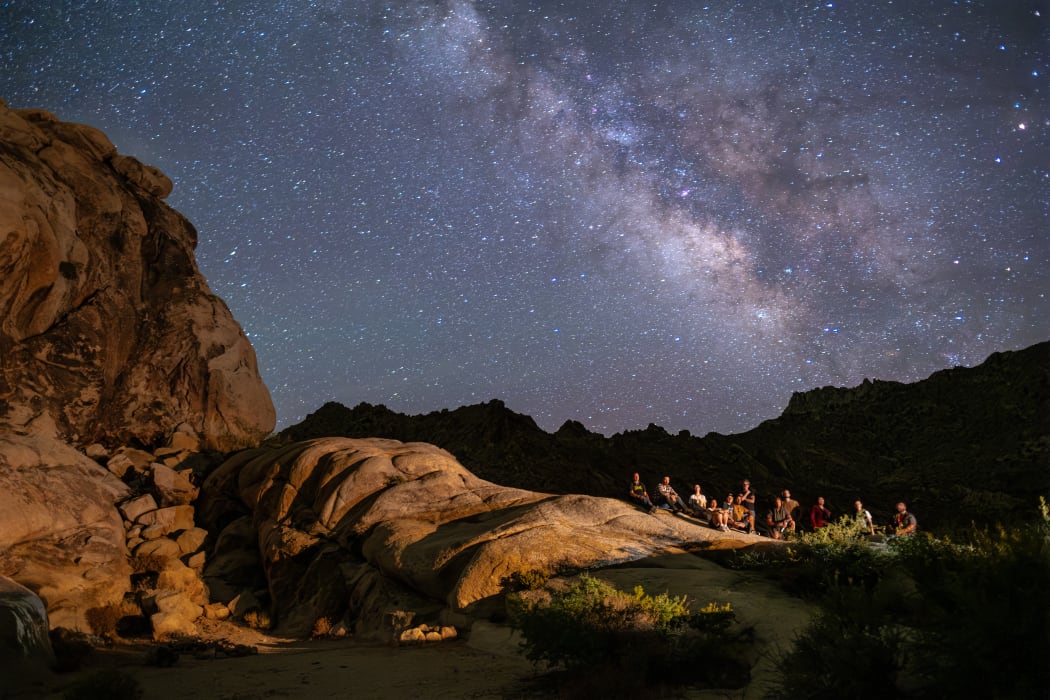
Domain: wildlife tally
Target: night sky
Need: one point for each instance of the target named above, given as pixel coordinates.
(620, 213)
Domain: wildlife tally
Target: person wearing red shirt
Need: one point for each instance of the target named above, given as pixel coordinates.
(819, 515)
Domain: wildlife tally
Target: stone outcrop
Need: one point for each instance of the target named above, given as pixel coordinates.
(109, 336)
(392, 536)
(107, 328)
(60, 534)
(82, 538)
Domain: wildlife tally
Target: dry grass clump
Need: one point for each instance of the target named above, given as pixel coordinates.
(105, 621)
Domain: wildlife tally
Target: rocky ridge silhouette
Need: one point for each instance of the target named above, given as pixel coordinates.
(965, 444)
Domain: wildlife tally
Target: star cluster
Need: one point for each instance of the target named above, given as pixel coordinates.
(620, 213)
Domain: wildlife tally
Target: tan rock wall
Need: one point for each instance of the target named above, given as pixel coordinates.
(105, 323)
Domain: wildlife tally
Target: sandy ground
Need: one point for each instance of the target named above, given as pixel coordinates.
(486, 666)
(319, 668)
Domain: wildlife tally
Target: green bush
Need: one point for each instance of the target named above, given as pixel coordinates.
(852, 649)
(839, 554)
(525, 580)
(589, 627)
(984, 612)
(941, 619)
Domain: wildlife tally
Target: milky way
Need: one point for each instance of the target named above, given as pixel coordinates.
(620, 213)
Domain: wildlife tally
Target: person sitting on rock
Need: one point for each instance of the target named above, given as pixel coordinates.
(740, 515)
(669, 499)
(779, 520)
(717, 518)
(863, 518)
(819, 514)
(639, 496)
(697, 503)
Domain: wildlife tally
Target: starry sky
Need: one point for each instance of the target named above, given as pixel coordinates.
(675, 212)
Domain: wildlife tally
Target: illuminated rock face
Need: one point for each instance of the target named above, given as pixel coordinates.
(106, 325)
(109, 336)
(376, 532)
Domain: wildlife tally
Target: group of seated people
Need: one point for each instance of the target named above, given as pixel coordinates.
(738, 511)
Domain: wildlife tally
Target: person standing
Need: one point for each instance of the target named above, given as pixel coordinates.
(790, 504)
(750, 499)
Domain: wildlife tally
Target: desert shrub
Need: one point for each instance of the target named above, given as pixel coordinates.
(984, 611)
(974, 622)
(108, 620)
(103, 620)
(852, 649)
(147, 563)
(835, 555)
(106, 684)
(589, 627)
(525, 580)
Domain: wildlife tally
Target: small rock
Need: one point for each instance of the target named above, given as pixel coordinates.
(96, 451)
(163, 548)
(412, 635)
(167, 520)
(118, 465)
(134, 508)
(166, 625)
(191, 540)
(172, 488)
(196, 561)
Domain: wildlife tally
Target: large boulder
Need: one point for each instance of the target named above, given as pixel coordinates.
(23, 629)
(60, 533)
(378, 530)
(106, 325)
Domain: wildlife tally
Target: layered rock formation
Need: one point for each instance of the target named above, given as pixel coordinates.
(108, 333)
(387, 536)
(108, 336)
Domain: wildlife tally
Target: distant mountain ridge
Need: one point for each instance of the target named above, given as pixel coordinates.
(965, 444)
